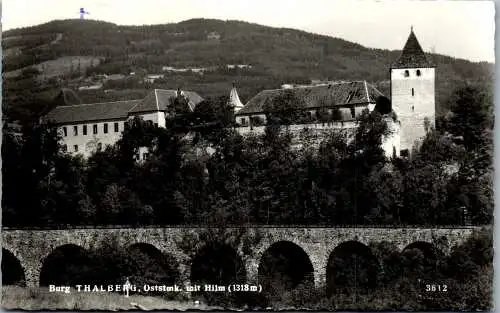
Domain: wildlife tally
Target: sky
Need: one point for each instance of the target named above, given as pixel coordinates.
(463, 29)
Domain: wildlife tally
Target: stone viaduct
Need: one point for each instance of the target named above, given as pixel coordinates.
(32, 247)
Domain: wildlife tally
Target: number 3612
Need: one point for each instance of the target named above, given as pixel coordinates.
(431, 288)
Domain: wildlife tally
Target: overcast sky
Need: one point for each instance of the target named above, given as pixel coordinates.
(463, 29)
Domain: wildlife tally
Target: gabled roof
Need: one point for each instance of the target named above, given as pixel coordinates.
(412, 55)
(90, 112)
(337, 94)
(159, 100)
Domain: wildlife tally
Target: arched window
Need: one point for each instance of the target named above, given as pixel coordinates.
(419, 73)
(407, 73)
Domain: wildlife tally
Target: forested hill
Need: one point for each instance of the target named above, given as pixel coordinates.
(277, 56)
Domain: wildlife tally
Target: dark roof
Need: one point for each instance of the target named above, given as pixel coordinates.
(412, 55)
(90, 112)
(337, 94)
(159, 100)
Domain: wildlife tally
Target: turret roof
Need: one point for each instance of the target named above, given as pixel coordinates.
(412, 55)
(234, 99)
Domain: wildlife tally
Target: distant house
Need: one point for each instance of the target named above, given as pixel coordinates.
(86, 128)
(241, 66)
(114, 77)
(213, 36)
(198, 70)
(151, 78)
(90, 87)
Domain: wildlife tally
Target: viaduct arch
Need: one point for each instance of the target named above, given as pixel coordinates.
(32, 247)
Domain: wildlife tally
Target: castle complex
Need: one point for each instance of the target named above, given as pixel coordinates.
(409, 111)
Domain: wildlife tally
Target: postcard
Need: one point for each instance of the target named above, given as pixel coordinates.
(247, 155)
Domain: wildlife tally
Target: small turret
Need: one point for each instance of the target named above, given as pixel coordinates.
(234, 99)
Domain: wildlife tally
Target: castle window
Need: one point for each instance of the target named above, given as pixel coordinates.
(99, 146)
(85, 130)
(407, 73)
(75, 147)
(404, 153)
(353, 112)
(95, 129)
(413, 108)
(105, 128)
(65, 131)
(65, 148)
(412, 92)
(75, 130)
(243, 122)
(418, 73)
(145, 156)
(117, 127)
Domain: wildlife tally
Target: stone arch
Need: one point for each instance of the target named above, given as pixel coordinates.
(285, 266)
(66, 265)
(351, 265)
(217, 264)
(420, 258)
(12, 270)
(148, 265)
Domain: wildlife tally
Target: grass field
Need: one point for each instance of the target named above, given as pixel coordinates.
(14, 297)
(59, 66)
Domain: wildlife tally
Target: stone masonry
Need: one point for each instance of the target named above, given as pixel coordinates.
(32, 247)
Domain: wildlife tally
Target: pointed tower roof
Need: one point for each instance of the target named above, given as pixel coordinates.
(234, 99)
(412, 55)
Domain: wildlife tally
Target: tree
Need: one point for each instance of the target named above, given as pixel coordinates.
(211, 119)
(286, 108)
(471, 107)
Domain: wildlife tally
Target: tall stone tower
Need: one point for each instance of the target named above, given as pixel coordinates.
(413, 93)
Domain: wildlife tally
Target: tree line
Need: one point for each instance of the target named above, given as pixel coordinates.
(201, 171)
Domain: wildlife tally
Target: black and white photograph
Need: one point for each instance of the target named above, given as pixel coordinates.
(247, 155)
